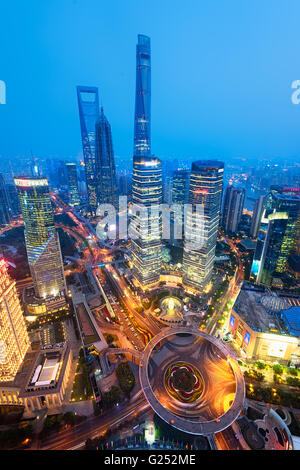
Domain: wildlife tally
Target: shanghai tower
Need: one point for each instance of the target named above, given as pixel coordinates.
(146, 223)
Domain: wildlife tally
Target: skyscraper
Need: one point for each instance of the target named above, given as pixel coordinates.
(180, 186)
(13, 199)
(277, 236)
(62, 176)
(179, 197)
(142, 121)
(14, 341)
(146, 223)
(41, 238)
(4, 204)
(73, 184)
(107, 192)
(232, 209)
(88, 104)
(257, 214)
(206, 183)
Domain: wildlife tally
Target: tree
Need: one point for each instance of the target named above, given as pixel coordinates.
(260, 377)
(293, 381)
(69, 418)
(109, 339)
(259, 365)
(111, 397)
(278, 369)
(125, 377)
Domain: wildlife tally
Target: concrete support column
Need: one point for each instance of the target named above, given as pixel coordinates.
(37, 399)
(26, 405)
(47, 398)
(31, 404)
(14, 397)
(59, 399)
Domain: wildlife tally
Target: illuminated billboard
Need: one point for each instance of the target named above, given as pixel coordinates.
(247, 338)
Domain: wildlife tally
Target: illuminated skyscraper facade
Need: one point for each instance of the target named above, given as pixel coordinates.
(232, 209)
(180, 186)
(73, 184)
(14, 341)
(146, 223)
(206, 184)
(107, 192)
(277, 236)
(41, 238)
(88, 104)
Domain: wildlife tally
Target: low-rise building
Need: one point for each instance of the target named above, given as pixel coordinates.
(41, 381)
(259, 328)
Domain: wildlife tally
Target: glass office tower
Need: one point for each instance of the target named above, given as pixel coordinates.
(73, 184)
(41, 238)
(146, 223)
(88, 104)
(277, 236)
(206, 184)
(107, 192)
(180, 186)
(232, 208)
(179, 196)
(257, 215)
(14, 340)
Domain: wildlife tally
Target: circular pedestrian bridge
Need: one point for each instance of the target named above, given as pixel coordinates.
(190, 381)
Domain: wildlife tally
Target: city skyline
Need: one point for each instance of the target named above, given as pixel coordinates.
(150, 303)
(212, 102)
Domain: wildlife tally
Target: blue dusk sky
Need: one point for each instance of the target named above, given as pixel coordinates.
(221, 75)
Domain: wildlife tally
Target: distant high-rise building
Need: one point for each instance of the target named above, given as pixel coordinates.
(107, 191)
(146, 224)
(277, 236)
(124, 185)
(34, 167)
(206, 184)
(4, 204)
(14, 340)
(41, 237)
(62, 176)
(180, 186)
(167, 188)
(50, 171)
(257, 215)
(13, 199)
(179, 196)
(73, 184)
(88, 103)
(232, 209)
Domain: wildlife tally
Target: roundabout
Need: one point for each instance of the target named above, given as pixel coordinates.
(191, 382)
